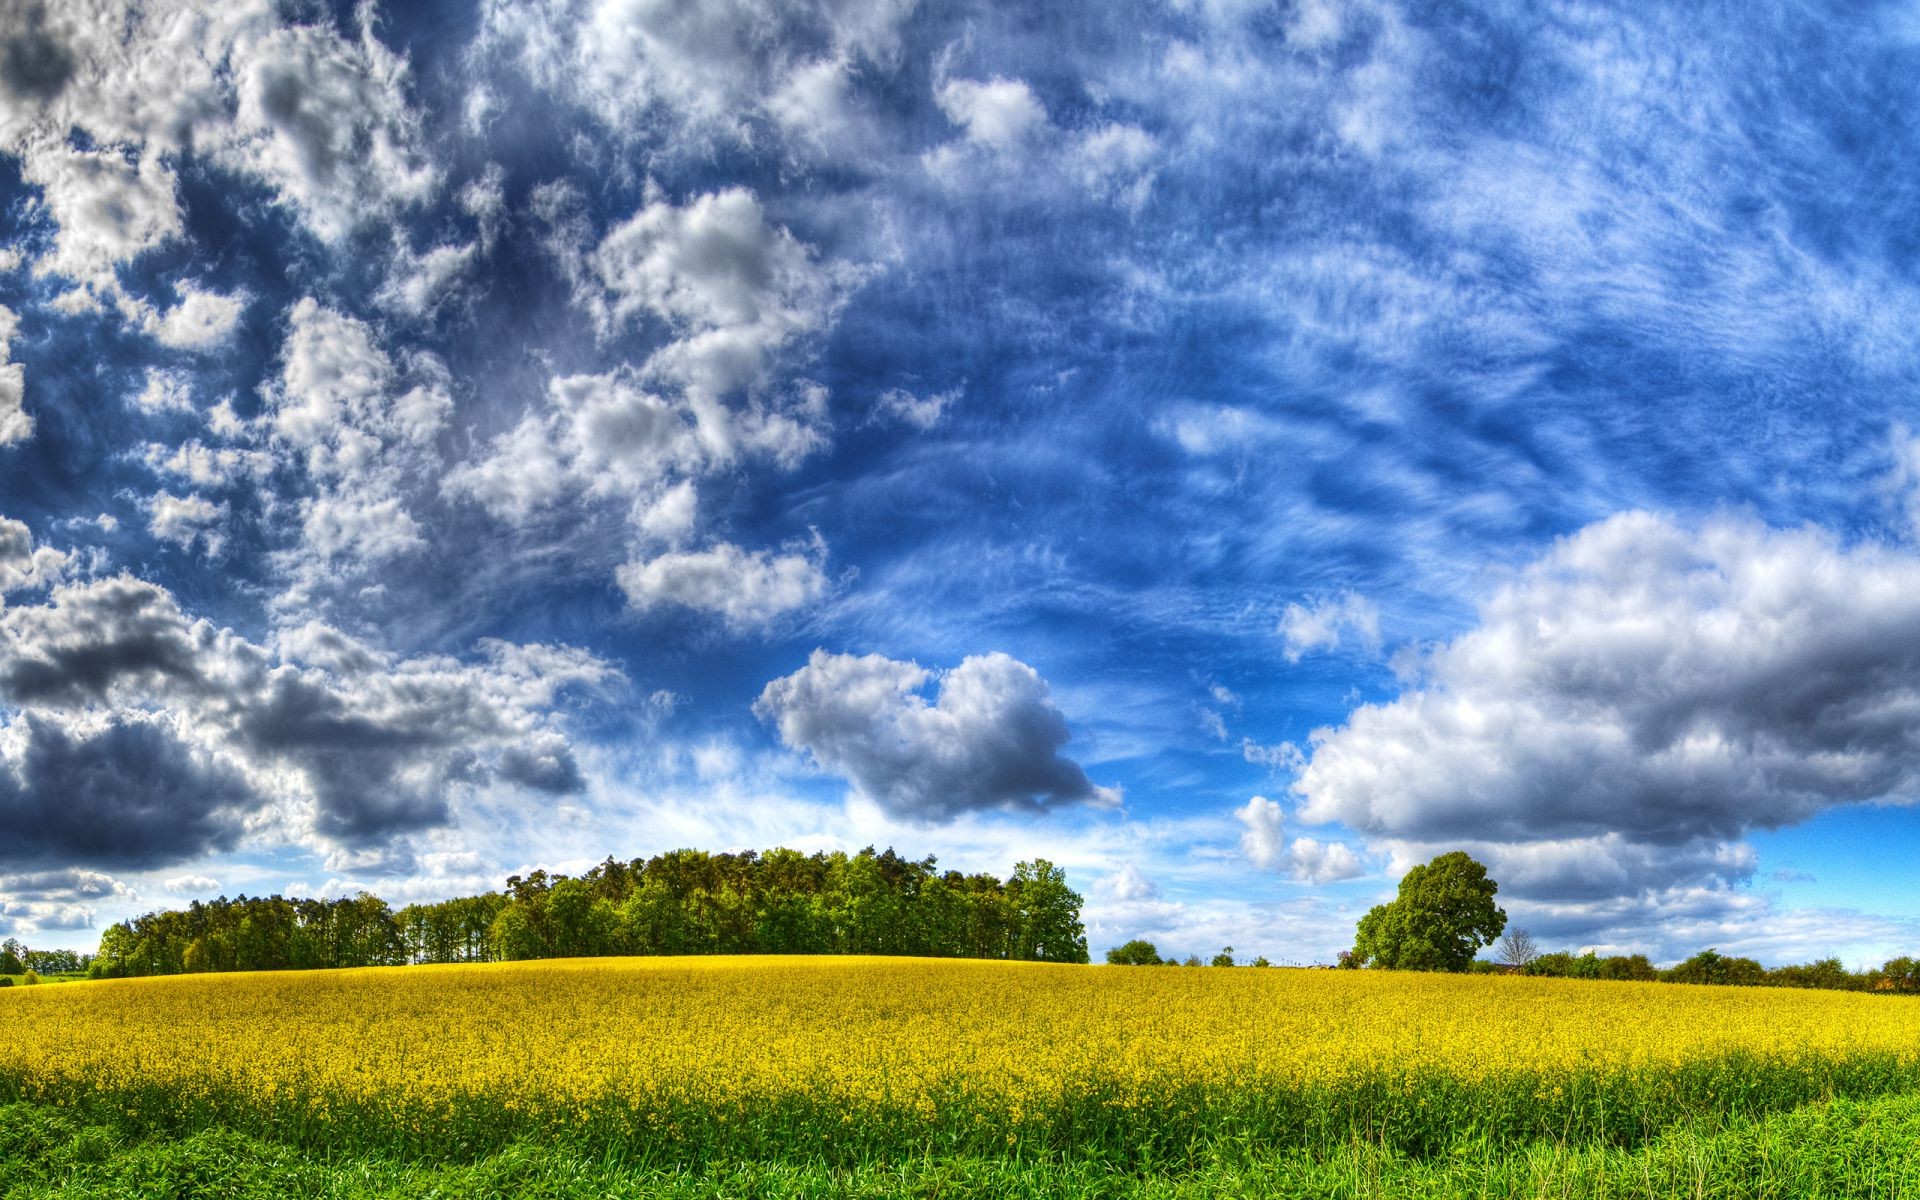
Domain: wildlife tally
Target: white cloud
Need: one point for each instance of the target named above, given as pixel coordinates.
(1323, 624)
(15, 424)
(921, 412)
(185, 520)
(196, 885)
(991, 738)
(361, 428)
(22, 565)
(694, 75)
(165, 391)
(747, 590)
(109, 208)
(199, 321)
(1637, 700)
(731, 288)
(322, 119)
(417, 284)
(999, 114)
(326, 121)
(1304, 859)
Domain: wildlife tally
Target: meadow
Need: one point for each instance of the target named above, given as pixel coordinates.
(811, 1075)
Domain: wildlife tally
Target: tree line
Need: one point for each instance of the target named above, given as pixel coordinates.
(683, 902)
(1444, 914)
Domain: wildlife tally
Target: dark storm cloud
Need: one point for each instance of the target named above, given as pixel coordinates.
(33, 65)
(129, 797)
(92, 639)
(382, 747)
(991, 739)
(1639, 699)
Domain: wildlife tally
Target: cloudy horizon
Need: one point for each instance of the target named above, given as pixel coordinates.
(1235, 450)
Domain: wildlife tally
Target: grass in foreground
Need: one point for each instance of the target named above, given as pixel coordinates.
(1844, 1149)
(825, 1063)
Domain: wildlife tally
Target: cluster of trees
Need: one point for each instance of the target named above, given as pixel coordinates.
(1516, 955)
(1141, 953)
(684, 902)
(16, 959)
(786, 902)
(263, 933)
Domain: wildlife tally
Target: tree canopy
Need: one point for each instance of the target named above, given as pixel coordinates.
(1442, 916)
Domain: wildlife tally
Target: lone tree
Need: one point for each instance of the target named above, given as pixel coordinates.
(1517, 950)
(1444, 913)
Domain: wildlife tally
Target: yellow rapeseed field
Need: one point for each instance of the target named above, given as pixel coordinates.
(1004, 1043)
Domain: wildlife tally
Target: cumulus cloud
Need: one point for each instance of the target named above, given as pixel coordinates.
(727, 295)
(23, 565)
(921, 412)
(15, 424)
(127, 795)
(108, 209)
(164, 391)
(1304, 859)
(199, 320)
(184, 520)
(327, 122)
(694, 75)
(1638, 699)
(998, 113)
(361, 427)
(1323, 624)
(991, 738)
(323, 119)
(208, 734)
(732, 288)
(745, 589)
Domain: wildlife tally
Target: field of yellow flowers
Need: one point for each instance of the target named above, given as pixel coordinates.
(825, 1058)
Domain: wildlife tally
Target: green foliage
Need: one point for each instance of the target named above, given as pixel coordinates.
(6, 981)
(1842, 1149)
(1442, 915)
(1137, 953)
(1223, 959)
(12, 957)
(1710, 966)
(682, 902)
(258, 934)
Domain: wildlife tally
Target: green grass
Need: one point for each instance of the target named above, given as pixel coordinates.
(1845, 1148)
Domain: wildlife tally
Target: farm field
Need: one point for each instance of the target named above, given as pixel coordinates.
(835, 1075)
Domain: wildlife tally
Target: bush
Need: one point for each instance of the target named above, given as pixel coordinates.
(32, 977)
(6, 981)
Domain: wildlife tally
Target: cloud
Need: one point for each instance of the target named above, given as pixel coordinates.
(108, 209)
(21, 564)
(998, 114)
(15, 424)
(185, 520)
(326, 121)
(921, 412)
(1639, 698)
(745, 589)
(1322, 624)
(1304, 859)
(694, 75)
(321, 737)
(165, 391)
(200, 320)
(360, 427)
(991, 738)
(130, 795)
(732, 288)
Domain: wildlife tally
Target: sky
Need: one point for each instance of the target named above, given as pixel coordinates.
(1234, 450)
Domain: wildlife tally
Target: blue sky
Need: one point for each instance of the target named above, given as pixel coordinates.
(1235, 450)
